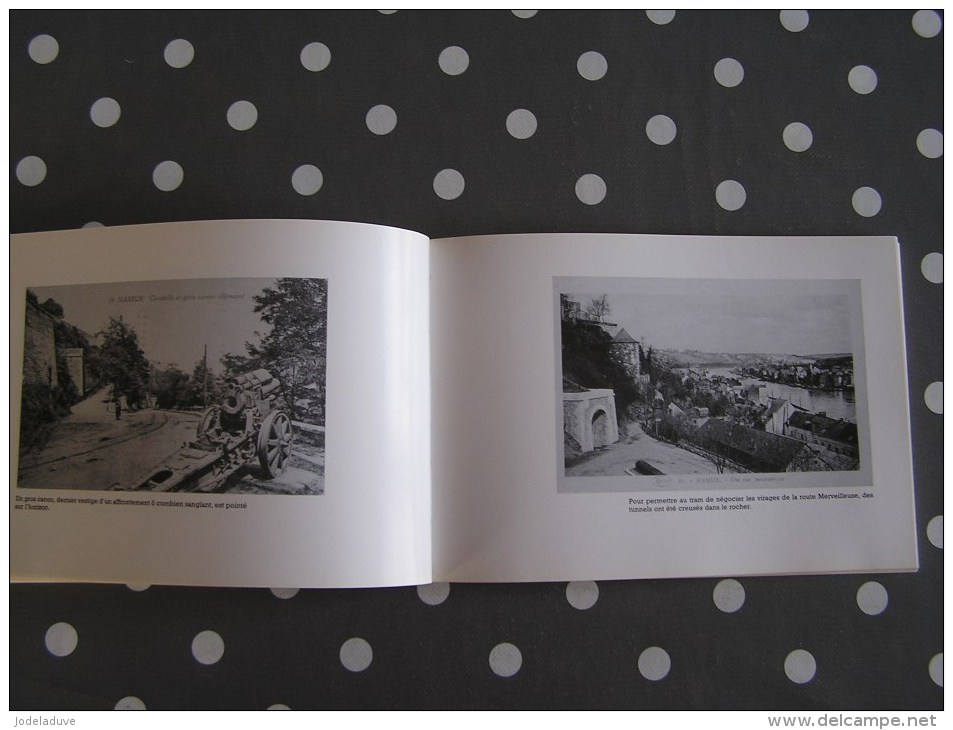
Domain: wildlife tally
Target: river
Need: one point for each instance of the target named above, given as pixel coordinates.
(835, 403)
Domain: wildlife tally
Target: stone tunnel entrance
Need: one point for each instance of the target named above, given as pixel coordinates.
(589, 418)
(600, 429)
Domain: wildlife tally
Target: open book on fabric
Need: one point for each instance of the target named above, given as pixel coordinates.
(327, 404)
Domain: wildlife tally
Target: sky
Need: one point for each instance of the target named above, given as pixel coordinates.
(172, 323)
(734, 316)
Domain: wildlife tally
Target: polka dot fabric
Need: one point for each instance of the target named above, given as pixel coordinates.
(461, 123)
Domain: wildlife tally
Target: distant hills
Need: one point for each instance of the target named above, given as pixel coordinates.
(698, 358)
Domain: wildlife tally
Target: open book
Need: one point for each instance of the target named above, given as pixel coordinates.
(318, 404)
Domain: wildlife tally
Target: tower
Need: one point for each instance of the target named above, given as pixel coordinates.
(625, 351)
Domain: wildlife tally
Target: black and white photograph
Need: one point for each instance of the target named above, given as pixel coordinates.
(192, 385)
(709, 377)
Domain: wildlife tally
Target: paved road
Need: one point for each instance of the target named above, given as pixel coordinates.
(616, 458)
(90, 449)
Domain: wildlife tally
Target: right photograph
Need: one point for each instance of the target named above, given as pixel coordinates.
(707, 378)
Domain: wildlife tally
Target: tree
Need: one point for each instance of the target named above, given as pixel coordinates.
(203, 387)
(53, 307)
(169, 385)
(598, 309)
(295, 349)
(587, 360)
(648, 366)
(234, 365)
(123, 364)
(718, 438)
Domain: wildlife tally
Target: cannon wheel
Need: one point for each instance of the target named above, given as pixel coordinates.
(210, 423)
(274, 443)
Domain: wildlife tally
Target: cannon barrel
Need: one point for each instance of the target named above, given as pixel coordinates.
(248, 389)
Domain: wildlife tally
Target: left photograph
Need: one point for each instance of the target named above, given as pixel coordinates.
(192, 385)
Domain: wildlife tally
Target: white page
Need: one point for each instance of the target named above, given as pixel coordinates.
(506, 507)
(183, 287)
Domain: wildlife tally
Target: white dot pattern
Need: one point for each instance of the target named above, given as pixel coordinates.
(242, 115)
(448, 184)
(660, 17)
(43, 49)
(315, 56)
(31, 171)
(168, 176)
(800, 666)
(935, 532)
(862, 79)
(208, 647)
(795, 20)
(307, 180)
(591, 189)
(520, 107)
(105, 112)
(930, 143)
(931, 266)
(505, 660)
(926, 23)
(729, 72)
(521, 123)
(654, 663)
(872, 598)
(731, 194)
(356, 654)
(866, 202)
(933, 397)
(592, 65)
(661, 129)
(179, 53)
(433, 594)
(61, 639)
(453, 60)
(381, 119)
(798, 137)
(284, 593)
(582, 595)
(935, 668)
(130, 703)
(729, 595)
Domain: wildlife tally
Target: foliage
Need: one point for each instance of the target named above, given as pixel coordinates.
(716, 403)
(169, 385)
(67, 335)
(234, 365)
(203, 388)
(294, 350)
(647, 361)
(40, 406)
(587, 360)
(123, 364)
(670, 385)
(174, 388)
(673, 427)
(598, 309)
(52, 307)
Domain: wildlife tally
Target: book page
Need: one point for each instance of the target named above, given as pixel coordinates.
(221, 403)
(612, 406)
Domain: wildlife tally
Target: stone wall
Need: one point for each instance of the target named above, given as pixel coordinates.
(76, 366)
(39, 348)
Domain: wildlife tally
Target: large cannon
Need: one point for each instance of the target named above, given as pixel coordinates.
(243, 429)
